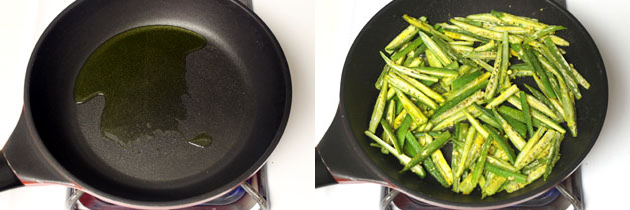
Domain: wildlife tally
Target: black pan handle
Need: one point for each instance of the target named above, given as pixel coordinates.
(8, 180)
(322, 175)
(26, 161)
(339, 158)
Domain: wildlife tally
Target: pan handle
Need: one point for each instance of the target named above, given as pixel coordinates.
(27, 160)
(322, 175)
(8, 180)
(340, 159)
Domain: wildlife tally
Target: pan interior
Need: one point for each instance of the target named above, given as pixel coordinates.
(236, 91)
(363, 66)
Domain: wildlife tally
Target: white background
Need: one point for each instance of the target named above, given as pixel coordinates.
(604, 169)
(290, 166)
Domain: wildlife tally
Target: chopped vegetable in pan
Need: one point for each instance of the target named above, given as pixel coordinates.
(461, 75)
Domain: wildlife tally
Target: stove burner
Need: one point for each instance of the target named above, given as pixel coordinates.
(250, 194)
(565, 194)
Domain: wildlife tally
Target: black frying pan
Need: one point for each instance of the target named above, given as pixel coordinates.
(345, 153)
(240, 92)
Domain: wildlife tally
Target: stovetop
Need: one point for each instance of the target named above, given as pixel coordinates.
(566, 194)
(252, 194)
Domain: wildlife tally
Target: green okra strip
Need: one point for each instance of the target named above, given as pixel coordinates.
(481, 55)
(407, 71)
(379, 109)
(423, 88)
(476, 124)
(533, 140)
(439, 160)
(550, 71)
(389, 118)
(399, 107)
(514, 137)
(519, 127)
(409, 58)
(462, 43)
(454, 164)
(450, 103)
(484, 17)
(492, 185)
(535, 104)
(479, 166)
(502, 97)
(500, 163)
(539, 71)
(510, 29)
(484, 65)
(474, 151)
(381, 78)
(484, 32)
(402, 131)
(526, 114)
(522, 67)
(390, 92)
(493, 84)
(558, 41)
(456, 108)
(425, 27)
(568, 106)
(549, 159)
(487, 116)
(503, 79)
(544, 141)
(412, 109)
(470, 137)
(435, 49)
(513, 73)
(469, 21)
(518, 20)
(401, 38)
(580, 79)
(440, 72)
(463, 80)
(538, 116)
(486, 47)
(462, 49)
(451, 52)
(563, 67)
(531, 166)
(428, 164)
(555, 156)
(458, 117)
(428, 150)
(416, 62)
(542, 98)
(454, 34)
(409, 48)
(390, 133)
(405, 87)
(517, 115)
(483, 78)
(404, 159)
(543, 32)
(502, 142)
(507, 174)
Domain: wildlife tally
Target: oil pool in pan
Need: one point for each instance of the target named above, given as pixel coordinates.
(141, 73)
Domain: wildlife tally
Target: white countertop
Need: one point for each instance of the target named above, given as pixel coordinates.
(289, 169)
(604, 169)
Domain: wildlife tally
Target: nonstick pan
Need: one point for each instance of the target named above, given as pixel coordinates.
(344, 154)
(238, 89)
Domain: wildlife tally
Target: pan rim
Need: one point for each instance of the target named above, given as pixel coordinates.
(208, 195)
(390, 182)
